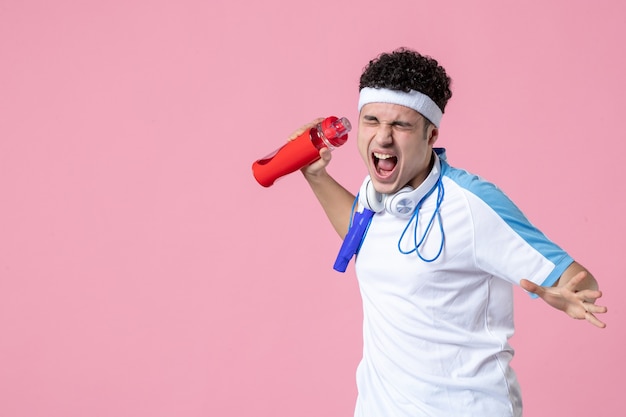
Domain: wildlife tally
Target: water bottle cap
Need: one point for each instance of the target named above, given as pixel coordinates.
(336, 130)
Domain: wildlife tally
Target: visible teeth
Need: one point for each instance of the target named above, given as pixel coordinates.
(382, 155)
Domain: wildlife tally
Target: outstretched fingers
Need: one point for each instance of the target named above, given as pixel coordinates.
(531, 287)
(591, 309)
(578, 304)
(576, 280)
(591, 318)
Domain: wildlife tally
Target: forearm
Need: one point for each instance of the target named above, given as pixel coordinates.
(334, 198)
(588, 283)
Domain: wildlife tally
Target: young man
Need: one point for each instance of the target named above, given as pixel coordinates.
(438, 261)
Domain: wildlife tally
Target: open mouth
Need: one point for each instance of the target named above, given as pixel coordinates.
(384, 163)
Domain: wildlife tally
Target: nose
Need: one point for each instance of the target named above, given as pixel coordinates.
(384, 135)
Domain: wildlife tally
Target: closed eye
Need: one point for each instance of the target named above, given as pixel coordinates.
(400, 125)
(370, 120)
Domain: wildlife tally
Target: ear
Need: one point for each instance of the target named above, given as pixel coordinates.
(432, 133)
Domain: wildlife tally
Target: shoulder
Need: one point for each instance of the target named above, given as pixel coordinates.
(477, 186)
(466, 180)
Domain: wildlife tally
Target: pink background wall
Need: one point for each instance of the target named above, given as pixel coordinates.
(143, 272)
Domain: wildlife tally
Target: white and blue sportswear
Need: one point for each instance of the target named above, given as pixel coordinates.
(436, 333)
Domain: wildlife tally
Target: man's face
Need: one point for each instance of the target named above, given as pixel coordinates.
(395, 145)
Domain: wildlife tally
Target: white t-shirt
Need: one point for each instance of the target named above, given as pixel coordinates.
(436, 333)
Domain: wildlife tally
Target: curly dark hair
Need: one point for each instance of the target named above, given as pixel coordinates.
(404, 69)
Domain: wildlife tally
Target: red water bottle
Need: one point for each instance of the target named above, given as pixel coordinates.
(330, 133)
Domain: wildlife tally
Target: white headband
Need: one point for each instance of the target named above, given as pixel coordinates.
(415, 100)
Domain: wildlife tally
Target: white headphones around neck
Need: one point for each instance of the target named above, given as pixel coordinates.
(403, 202)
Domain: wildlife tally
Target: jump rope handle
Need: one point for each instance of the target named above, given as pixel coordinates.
(352, 242)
